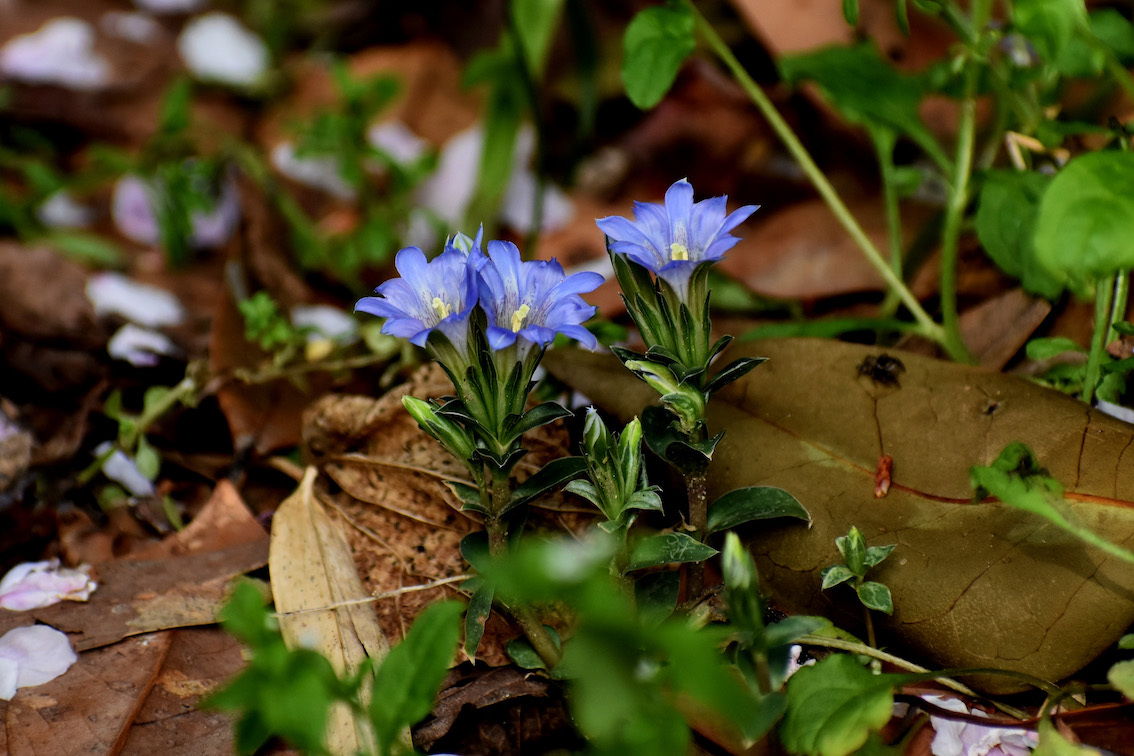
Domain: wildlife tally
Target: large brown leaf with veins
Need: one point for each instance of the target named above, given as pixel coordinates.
(974, 585)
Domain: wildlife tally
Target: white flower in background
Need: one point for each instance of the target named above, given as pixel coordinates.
(398, 141)
(115, 294)
(325, 322)
(171, 6)
(61, 52)
(215, 47)
(316, 171)
(32, 656)
(450, 189)
(60, 210)
(133, 210)
(139, 346)
(955, 737)
(122, 470)
(34, 585)
(138, 28)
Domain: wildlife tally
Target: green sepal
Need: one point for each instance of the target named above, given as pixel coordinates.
(626, 355)
(552, 475)
(753, 503)
(667, 548)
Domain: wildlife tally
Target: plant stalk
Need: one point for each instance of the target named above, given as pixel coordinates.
(927, 326)
(697, 490)
(1104, 296)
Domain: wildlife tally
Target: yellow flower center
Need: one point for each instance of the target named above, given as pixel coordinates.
(518, 317)
(678, 251)
(443, 310)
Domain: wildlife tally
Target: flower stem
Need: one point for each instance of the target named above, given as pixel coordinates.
(533, 629)
(697, 491)
(927, 326)
(1104, 295)
(954, 212)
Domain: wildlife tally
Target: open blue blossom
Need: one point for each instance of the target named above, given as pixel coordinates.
(672, 239)
(439, 294)
(533, 300)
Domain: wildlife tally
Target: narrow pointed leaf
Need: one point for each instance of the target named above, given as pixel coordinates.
(552, 475)
(731, 372)
(480, 606)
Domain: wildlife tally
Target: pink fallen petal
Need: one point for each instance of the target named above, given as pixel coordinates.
(33, 585)
(32, 656)
(956, 737)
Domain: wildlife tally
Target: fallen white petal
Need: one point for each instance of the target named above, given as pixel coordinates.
(171, 6)
(326, 322)
(121, 469)
(138, 28)
(398, 141)
(132, 209)
(32, 656)
(60, 210)
(215, 47)
(115, 294)
(317, 172)
(450, 189)
(139, 346)
(33, 585)
(954, 737)
(61, 52)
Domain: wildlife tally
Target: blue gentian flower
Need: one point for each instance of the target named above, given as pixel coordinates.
(534, 300)
(672, 239)
(439, 294)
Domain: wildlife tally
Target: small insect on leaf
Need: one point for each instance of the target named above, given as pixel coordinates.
(883, 369)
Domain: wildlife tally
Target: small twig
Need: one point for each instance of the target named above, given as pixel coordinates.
(379, 596)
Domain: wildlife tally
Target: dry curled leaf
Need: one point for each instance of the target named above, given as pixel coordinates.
(312, 567)
(974, 584)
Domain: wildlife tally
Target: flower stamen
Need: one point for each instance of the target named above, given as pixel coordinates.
(443, 309)
(518, 317)
(678, 251)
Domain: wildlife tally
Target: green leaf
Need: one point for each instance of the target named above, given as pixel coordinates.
(868, 91)
(1051, 743)
(834, 706)
(480, 606)
(1046, 348)
(1005, 223)
(468, 496)
(545, 413)
(753, 503)
(1126, 642)
(657, 42)
(1041, 495)
(1121, 676)
(655, 594)
(875, 596)
(667, 548)
(853, 548)
(147, 460)
(536, 21)
(520, 651)
(835, 575)
(731, 372)
(850, 11)
(1086, 220)
(552, 475)
(85, 247)
(408, 679)
(1049, 24)
(876, 554)
(791, 629)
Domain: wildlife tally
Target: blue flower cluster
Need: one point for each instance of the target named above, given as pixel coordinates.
(524, 303)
